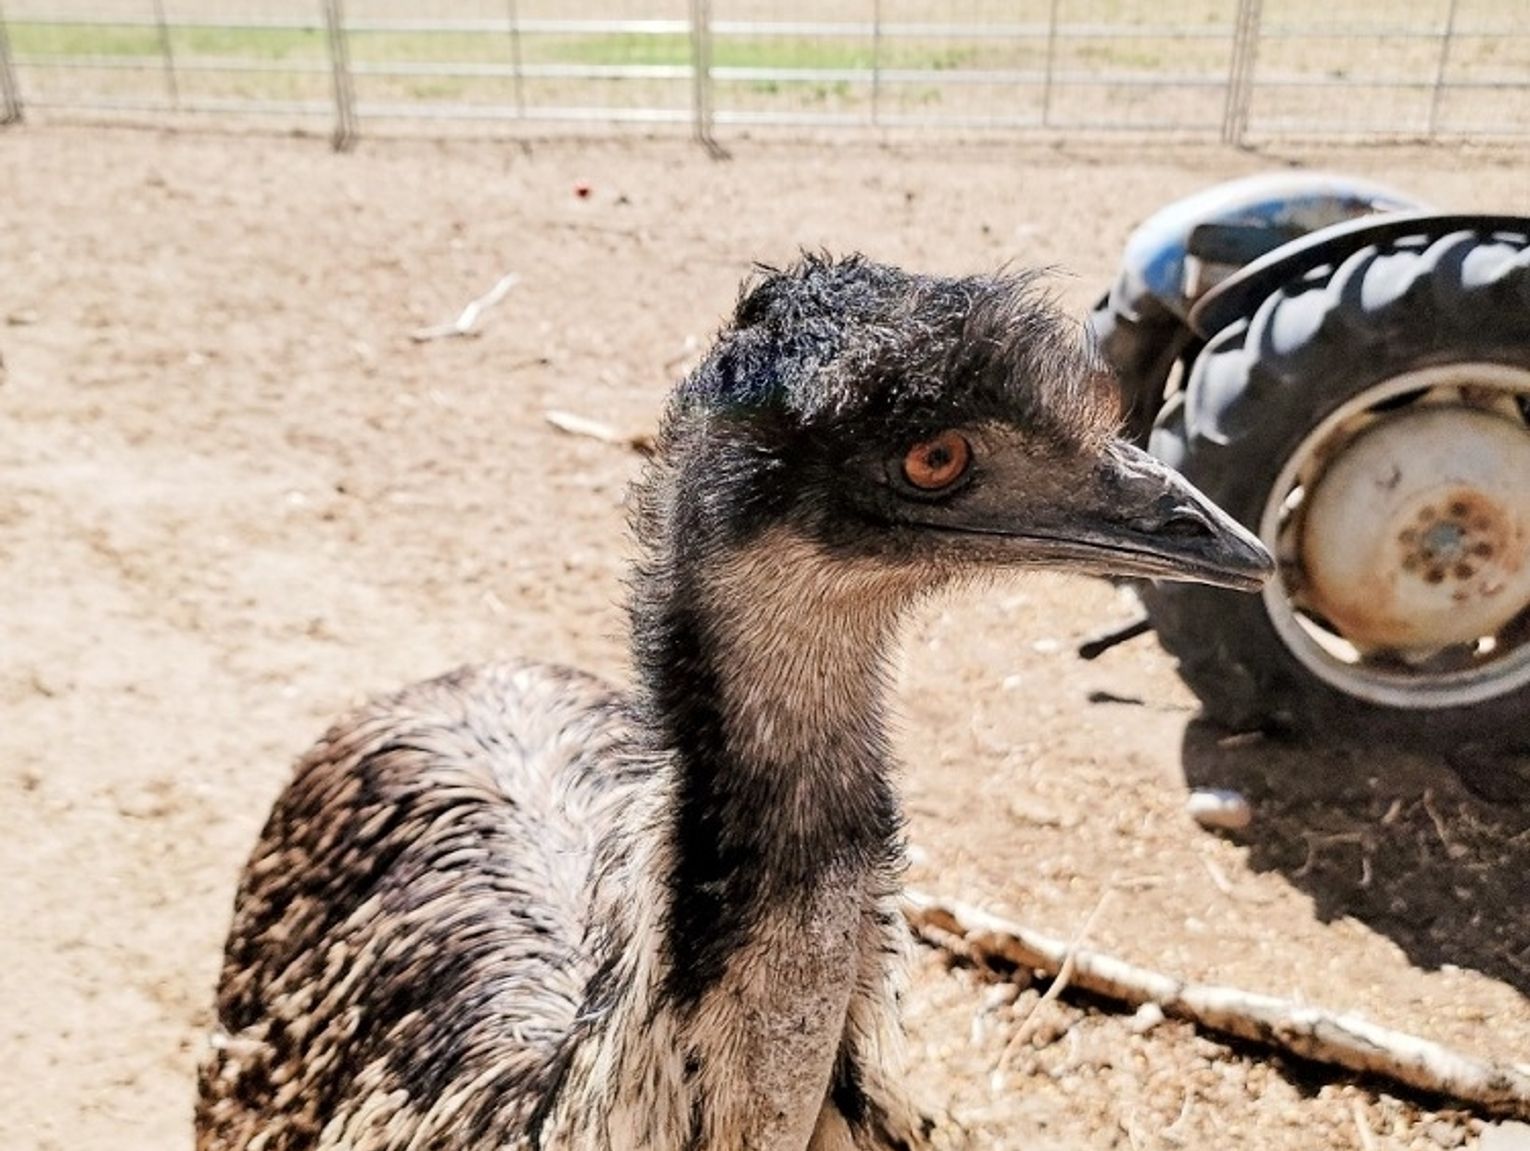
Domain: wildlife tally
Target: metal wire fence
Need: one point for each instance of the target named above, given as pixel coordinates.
(1237, 70)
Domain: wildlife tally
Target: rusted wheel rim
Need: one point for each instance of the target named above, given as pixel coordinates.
(1401, 526)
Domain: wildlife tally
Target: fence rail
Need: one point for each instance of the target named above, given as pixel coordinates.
(1229, 69)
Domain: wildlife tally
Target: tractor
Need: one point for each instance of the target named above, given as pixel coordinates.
(1347, 372)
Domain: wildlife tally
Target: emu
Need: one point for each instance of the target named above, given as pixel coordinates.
(514, 908)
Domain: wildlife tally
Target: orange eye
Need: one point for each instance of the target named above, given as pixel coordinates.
(938, 463)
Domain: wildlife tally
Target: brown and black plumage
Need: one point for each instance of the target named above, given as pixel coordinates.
(513, 908)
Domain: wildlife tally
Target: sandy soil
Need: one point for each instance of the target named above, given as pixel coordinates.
(235, 497)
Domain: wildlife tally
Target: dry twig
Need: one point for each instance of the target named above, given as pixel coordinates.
(467, 320)
(1309, 1032)
(1362, 1126)
(1059, 985)
(639, 442)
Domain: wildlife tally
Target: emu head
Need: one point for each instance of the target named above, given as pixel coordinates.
(904, 430)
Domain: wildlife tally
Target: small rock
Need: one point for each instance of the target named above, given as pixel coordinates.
(1509, 1136)
(21, 319)
(1039, 813)
(1147, 1017)
(1443, 1134)
(1219, 808)
(1000, 995)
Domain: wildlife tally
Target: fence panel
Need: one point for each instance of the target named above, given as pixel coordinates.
(1229, 69)
(1417, 68)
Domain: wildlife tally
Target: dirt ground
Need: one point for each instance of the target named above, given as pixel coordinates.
(235, 497)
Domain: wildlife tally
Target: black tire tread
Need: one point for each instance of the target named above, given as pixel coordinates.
(1256, 391)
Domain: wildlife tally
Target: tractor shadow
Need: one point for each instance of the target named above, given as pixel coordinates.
(1433, 855)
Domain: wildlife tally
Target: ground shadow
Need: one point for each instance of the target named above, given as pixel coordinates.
(1433, 854)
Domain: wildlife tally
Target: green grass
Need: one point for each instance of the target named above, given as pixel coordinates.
(279, 44)
(62, 40)
(276, 46)
(749, 52)
(112, 40)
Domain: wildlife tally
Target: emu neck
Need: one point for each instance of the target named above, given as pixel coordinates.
(764, 670)
(767, 675)
(797, 645)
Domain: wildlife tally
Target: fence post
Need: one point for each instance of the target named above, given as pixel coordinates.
(167, 51)
(340, 64)
(1446, 40)
(876, 62)
(701, 77)
(516, 60)
(1240, 78)
(10, 89)
(1046, 90)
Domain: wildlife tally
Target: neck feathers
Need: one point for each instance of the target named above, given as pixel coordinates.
(764, 672)
(751, 912)
(759, 910)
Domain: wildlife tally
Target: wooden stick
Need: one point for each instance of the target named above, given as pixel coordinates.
(467, 320)
(1346, 1041)
(577, 425)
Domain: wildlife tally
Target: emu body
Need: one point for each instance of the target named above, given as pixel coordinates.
(513, 908)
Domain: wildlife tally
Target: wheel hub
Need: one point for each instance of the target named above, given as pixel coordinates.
(1417, 536)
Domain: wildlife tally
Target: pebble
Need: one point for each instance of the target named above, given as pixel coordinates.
(1039, 813)
(1146, 1017)
(1443, 1134)
(1219, 808)
(1000, 995)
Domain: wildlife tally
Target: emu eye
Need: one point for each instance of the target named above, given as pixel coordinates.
(938, 463)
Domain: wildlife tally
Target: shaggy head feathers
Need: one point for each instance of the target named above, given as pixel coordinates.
(826, 343)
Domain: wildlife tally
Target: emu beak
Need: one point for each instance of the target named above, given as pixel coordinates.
(1133, 515)
(1119, 512)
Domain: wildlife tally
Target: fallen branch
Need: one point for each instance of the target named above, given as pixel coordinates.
(1309, 1032)
(467, 320)
(574, 425)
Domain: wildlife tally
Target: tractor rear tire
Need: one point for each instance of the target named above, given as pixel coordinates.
(1349, 339)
